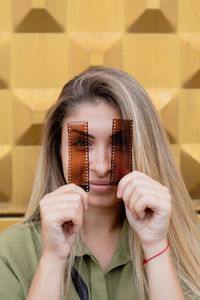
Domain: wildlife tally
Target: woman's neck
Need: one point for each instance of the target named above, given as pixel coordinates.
(103, 220)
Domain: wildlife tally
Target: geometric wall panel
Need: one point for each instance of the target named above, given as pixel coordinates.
(113, 56)
(39, 15)
(154, 56)
(6, 117)
(87, 49)
(24, 159)
(189, 20)
(190, 168)
(5, 173)
(167, 105)
(5, 15)
(189, 114)
(39, 60)
(32, 105)
(44, 43)
(24, 165)
(152, 16)
(190, 61)
(95, 16)
(4, 60)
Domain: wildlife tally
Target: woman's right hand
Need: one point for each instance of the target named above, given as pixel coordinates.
(62, 218)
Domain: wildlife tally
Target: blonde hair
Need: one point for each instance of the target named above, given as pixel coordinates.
(151, 155)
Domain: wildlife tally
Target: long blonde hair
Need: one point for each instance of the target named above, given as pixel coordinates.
(151, 155)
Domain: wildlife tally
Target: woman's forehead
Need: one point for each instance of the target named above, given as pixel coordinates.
(98, 111)
(99, 118)
(96, 128)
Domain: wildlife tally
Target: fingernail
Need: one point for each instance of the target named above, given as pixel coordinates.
(86, 205)
(118, 194)
(76, 230)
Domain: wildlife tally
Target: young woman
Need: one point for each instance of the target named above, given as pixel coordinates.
(74, 244)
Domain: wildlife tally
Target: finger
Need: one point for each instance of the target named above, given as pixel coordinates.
(82, 193)
(70, 224)
(124, 182)
(71, 228)
(71, 188)
(131, 208)
(75, 216)
(145, 176)
(134, 194)
(64, 199)
(60, 216)
(147, 201)
(133, 188)
(63, 205)
(133, 176)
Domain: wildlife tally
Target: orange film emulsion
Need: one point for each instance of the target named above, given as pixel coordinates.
(121, 156)
(78, 156)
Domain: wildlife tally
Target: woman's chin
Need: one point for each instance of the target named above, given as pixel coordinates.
(103, 193)
(103, 199)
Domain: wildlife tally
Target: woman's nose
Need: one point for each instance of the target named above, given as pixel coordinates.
(100, 161)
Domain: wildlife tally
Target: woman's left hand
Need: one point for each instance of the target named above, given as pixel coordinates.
(148, 207)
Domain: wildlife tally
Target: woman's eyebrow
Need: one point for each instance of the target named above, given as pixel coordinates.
(91, 136)
(83, 133)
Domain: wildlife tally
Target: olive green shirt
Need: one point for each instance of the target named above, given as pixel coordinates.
(20, 251)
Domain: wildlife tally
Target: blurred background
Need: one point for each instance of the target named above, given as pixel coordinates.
(44, 43)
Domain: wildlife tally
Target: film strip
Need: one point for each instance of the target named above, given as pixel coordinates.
(121, 151)
(78, 154)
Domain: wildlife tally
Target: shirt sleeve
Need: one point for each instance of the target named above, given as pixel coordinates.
(10, 287)
(190, 296)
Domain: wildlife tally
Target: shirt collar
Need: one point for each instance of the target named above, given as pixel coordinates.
(122, 252)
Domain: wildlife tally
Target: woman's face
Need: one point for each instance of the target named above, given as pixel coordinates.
(99, 119)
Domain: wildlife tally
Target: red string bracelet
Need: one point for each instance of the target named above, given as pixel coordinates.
(146, 260)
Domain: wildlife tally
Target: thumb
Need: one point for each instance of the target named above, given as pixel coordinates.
(131, 219)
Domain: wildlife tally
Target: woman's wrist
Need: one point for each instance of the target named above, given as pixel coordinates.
(47, 282)
(146, 260)
(154, 248)
(52, 262)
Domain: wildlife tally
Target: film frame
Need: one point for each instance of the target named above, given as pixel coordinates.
(121, 151)
(78, 154)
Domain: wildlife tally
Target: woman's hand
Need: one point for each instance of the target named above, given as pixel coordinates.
(62, 218)
(148, 207)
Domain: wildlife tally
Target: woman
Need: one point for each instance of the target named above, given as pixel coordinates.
(92, 245)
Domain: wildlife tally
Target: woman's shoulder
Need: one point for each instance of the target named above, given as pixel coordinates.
(19, 239)
(20, 248)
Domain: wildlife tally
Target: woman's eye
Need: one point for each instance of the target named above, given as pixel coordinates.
(80, 144)
(120, 141)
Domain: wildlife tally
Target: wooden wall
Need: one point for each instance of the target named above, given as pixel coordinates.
(44, 43)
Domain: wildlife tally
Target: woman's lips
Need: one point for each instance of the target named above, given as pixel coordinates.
(100, 187)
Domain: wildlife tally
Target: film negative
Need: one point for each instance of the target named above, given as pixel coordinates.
(121, 151)
(78, 155)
